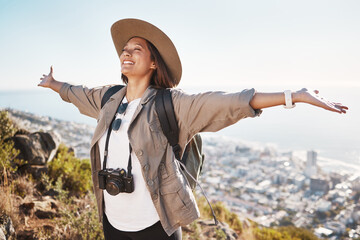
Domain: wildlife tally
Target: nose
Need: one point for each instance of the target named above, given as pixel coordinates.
(126, 53)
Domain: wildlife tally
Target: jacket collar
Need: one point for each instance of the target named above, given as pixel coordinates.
(111, 106)
(148, 94)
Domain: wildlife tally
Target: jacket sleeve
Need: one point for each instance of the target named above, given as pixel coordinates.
(211, 111)
(88, 101)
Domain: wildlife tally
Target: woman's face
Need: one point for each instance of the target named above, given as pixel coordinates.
(136, 60)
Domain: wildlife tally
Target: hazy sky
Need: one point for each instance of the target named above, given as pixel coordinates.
(247, 43)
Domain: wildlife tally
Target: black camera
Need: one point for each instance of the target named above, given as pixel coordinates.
(115, 181)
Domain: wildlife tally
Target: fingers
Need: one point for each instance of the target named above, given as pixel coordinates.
(334, 107)
(46, 78)
(41, 84)
(344, 109)
(341, 108)
(341, 111)
(319, 101)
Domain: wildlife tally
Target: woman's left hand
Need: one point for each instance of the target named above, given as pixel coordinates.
(312, 97)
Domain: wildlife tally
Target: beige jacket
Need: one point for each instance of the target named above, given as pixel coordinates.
(206, 112)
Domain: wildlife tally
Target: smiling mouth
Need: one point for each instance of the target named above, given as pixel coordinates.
(126, 62)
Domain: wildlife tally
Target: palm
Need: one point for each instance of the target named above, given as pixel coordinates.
(47, 79)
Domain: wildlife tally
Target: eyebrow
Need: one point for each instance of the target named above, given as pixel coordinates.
(136, 43)
(139, 44)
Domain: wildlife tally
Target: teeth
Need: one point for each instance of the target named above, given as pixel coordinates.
(128, 62)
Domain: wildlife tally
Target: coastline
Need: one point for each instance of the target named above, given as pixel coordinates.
(332, 135)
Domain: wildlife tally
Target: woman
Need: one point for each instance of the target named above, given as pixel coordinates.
(160, 201)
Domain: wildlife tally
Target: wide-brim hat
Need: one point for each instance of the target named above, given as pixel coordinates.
(125, 29)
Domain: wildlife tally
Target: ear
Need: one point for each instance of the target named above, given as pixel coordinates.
(153, 66)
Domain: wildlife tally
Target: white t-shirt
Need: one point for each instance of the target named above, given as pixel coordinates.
(127, 211)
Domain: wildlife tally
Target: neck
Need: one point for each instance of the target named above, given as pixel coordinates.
(135, 89)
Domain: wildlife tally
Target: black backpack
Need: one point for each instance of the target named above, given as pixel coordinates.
(193, 158)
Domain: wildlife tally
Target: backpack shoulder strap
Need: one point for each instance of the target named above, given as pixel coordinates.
(111, 91)
(165, 110)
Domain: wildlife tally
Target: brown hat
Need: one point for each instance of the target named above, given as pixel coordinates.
(125, 29)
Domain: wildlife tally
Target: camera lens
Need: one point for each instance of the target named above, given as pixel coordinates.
(113, 187)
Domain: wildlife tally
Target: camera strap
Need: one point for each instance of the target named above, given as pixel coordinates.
(107, 146)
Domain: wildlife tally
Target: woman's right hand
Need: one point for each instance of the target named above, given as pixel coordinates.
(46, 80)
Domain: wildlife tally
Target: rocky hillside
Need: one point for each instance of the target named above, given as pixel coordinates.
(77, 136)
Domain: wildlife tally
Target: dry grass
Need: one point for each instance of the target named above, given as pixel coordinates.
(7, 205)
(5, 200)
(247, 234)
(222, 213)
(23, 186)
(11, 195)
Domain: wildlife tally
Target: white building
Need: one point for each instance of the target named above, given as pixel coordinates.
(321, 231)
(323, 205)
(336, 227)
(310, 169)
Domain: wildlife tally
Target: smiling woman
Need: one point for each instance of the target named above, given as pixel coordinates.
(160, 200)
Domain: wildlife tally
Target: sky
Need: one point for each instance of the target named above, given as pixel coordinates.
(279, 44)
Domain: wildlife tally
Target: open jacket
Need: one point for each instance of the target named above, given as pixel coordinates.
(205, 112)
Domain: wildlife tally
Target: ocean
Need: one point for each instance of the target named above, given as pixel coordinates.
(334, 136)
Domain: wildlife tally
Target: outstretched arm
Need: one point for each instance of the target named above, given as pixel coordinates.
(265, 100)
(87, 100)
(48, 81)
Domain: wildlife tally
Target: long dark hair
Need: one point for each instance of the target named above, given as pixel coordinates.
(161, 77)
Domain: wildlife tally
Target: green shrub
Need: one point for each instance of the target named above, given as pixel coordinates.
(298, 233)
(270, 234)
(7, 151)
(219, 234)
(283, 233)
(7, 129)
(75, 173)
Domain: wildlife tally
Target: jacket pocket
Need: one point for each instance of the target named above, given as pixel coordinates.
(176, 200)
(158, 136)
